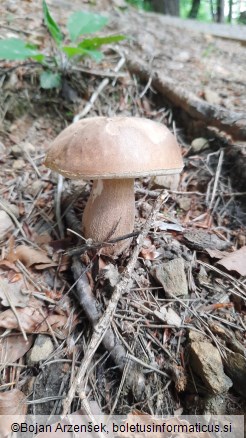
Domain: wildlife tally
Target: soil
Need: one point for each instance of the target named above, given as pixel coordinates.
(208, 198)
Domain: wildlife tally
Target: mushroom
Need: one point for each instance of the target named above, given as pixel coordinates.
(113, 151)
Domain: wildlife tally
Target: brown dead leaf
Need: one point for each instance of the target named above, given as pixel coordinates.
(11, 403)
(14, 277)
(235, 261)
(149, 251)
(216, 253)
(6, 225)
(31, 257)
(6, 264)
(13, 348)
(43, 239)
(60, 244)
(35, 318)
(13, 293)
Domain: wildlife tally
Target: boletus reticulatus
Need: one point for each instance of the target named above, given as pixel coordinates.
(112, 151)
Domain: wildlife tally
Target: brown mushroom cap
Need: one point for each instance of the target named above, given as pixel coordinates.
(112, 148)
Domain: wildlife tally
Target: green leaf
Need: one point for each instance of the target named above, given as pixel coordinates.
(52, 26)
(73, 51)
(94, 43)
(16, 49)
(48, 80)
(80, 23)
(95, 54)
(39, 57)
(79, 51)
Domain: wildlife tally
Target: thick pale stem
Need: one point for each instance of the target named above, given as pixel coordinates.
(110, 212)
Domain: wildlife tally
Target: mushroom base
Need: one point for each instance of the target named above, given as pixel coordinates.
(110, 213)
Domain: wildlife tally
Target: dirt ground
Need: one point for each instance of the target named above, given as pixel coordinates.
(166, 341)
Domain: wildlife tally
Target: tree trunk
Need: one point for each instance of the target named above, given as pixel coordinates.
(212, 10)
(167, 7)
(230, 11)
(220, 11)
(194, 8)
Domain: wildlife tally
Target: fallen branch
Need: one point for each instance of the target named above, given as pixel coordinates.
(89, 304)
(96, 246)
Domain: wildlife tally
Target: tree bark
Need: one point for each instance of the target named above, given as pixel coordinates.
(212, 10)
(220, 11)
(194, 8)
(230, 11)
(167, 7)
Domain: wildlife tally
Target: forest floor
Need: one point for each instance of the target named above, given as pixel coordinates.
(185, 308)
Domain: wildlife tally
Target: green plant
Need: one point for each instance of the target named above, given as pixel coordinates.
(79, 24)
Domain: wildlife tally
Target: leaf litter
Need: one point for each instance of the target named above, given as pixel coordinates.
(235, 261)
(14, 292)
(31, 257)
(150, 329)
(13, 348)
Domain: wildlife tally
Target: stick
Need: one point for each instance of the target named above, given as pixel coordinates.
(216, 180)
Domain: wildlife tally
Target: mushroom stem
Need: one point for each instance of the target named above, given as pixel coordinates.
(110, 212)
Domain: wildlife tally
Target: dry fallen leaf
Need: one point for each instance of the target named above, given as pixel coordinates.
(11, 403)
(30, 256)
(169, 316)
(216, 253)
(235, 261)
(5, 264)
(165, 226)
(14, 293)
(6, 224)
(35, 318)
(149, 251)
(13, 348)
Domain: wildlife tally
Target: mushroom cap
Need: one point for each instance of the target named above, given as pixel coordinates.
(117, 147)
